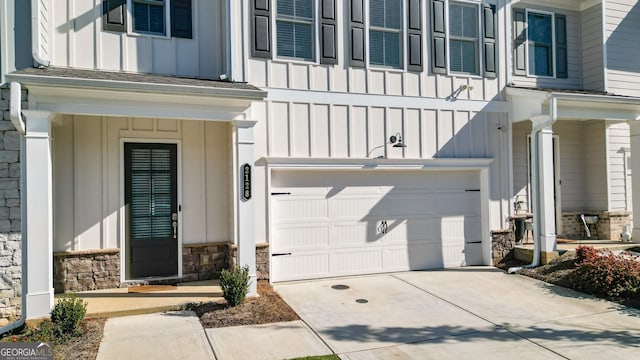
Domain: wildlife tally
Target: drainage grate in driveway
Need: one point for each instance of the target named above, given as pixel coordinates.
(340, 287)
(362, 301)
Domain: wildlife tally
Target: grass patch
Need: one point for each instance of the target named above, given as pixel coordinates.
(320, 357)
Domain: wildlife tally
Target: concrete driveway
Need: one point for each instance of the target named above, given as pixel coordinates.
(475, 312)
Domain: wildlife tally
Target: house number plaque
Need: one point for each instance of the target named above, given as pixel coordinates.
(246, 182)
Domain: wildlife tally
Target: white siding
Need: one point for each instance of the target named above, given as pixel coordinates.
(574, 54)
(87, 173)
(622, 29)
(342, 78)
(583, 162)
(79, 41)
(520, 133)
(595, 174)
(572, 164)
(618, 136)
(592, 48)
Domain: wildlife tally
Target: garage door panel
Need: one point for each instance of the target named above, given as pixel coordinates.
(299, 208)
(432, 221)
(352, 234)
(352, 207)
(293, 238)
(302, 266)
(356, 261)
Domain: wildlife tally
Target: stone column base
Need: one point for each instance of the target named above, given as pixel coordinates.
(86, 270)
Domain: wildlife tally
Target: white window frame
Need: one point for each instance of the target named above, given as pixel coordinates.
(167, 20)
(315, 36)
(479, 62)
(402, 32)
(553, 43)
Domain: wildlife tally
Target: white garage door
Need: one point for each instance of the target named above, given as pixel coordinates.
(335, 223)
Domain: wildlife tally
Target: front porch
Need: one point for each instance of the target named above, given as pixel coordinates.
(572, 154)
(130, 177)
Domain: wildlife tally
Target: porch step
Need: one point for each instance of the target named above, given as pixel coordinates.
(120, 302)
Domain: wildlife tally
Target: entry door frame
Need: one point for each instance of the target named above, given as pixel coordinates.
(122, 241)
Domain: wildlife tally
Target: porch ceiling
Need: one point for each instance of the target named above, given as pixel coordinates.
(103, 93)
(528, 103)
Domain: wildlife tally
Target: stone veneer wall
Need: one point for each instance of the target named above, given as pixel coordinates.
(204, 261)
(10, 226)
(609, 225)
(262, 259)
(86, 270)
(502, 244)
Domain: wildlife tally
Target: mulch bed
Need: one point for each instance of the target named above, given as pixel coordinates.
(267, 308)
(85, 346)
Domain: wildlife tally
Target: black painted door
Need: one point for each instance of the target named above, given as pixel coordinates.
(151, 210)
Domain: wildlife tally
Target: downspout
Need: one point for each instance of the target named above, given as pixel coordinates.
(538, 124)
(18, 122)
(36, 40)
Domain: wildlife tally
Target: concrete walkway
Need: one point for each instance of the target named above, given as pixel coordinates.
(171, 335)
(476, 312)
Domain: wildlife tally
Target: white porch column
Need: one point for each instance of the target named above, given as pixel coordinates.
(543, 177)
(244, 215)
(635, 178)
(39, 214)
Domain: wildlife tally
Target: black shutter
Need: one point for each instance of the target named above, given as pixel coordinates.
(181, 23)
(489, 41)
(261, 28)
(328, 52)
(114, 15)
(356, 34)
(519, 40)
(439, 38)
(414, 38)
(561, 46)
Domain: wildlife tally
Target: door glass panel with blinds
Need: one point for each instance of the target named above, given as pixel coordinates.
(385, 33)
(151, 203)
(463, 38)
(294, 29)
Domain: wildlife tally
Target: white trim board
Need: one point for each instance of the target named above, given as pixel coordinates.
(324, 97)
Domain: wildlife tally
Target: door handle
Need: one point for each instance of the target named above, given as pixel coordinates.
(174, 224)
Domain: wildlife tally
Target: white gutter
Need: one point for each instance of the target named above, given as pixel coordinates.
(36, 34)
(16, 120)
(538, 124)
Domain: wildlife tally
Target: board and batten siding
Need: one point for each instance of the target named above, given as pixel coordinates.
(618, 136)
(574, 53)
(78, 40)
(622, 27)
(521, 187)
(325, 131)
(592, 49)
(87, 178)
(595, 165)
(572, 164)
(284, 73)
(583, 163)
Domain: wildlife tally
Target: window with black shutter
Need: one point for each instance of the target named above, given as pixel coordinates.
(150, 17)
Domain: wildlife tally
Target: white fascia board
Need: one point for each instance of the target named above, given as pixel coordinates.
(573, 5)
(35, 80)
(135, 103)
(412, 102)
(376, 164)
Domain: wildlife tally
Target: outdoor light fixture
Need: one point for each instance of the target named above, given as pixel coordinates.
(396, 140)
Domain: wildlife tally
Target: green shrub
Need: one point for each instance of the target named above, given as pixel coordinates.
(605, 274)
(67, 315)
(235, 284)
